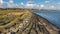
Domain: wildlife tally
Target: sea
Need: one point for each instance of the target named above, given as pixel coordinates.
(52, 16)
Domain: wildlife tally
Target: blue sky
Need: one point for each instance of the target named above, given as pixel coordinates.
(35, 1)
(47, 4)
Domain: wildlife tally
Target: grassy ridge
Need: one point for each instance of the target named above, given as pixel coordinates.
(12, 17)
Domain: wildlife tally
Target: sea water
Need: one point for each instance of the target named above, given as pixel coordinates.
(53, 16)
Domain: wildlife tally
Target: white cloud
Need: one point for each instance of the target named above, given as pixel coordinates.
(10, 1)
(30, 5)
(1, 1)
(11, 4)
(52, 6)
(22, 3)
(47, 1)
(58, 3)
(41, 5)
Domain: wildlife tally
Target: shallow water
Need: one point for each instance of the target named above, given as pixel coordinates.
(53, 17)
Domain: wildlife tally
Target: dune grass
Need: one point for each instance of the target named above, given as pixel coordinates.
(15, 14)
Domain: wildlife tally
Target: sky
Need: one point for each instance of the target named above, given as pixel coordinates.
(35, 1)
(47, 4)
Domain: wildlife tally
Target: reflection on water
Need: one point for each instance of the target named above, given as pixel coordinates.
(53, 17)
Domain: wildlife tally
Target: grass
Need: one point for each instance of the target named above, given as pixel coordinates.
(7, 15)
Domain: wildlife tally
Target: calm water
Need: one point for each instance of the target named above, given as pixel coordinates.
(53, 17)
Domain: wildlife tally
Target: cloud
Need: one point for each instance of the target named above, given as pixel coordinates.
(11, 4)
(22, 3)
(58, 3)
(52, 6)
(47, 1)
(31, 5)
(1, 1)
(11, 1)
(41, 5)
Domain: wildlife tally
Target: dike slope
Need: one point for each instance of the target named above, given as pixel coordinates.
(25, 22)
